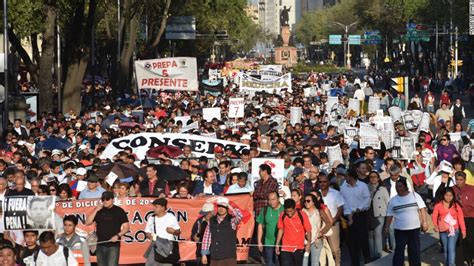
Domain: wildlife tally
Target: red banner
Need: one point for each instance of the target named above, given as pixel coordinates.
(139, 210)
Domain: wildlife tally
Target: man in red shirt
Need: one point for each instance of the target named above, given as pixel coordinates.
(464, 194)
(293, 228)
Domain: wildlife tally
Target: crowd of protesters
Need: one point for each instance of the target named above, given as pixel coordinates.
(370, 203)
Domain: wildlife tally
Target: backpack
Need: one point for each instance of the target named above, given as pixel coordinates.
(65, 252)
(299, 216)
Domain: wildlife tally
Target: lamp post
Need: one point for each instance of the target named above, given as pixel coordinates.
(5, 64)
(346, 29)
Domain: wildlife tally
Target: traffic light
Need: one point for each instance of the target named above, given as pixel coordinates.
(398, 84)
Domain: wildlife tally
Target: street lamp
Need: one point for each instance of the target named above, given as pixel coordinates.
(346, 28)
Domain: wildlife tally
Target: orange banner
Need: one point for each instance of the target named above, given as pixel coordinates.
(139, 210)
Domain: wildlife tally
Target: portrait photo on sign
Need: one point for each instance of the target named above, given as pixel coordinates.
(40, 212)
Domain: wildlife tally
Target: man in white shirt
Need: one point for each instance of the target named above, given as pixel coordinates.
(357, 201)
(334, 200)
(52, 253)
(162, 225)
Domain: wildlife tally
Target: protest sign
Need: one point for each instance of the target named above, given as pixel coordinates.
(172, 73)
(331, 101)
(275, 68)
(277, 166)
(409, 121)
(183, 119)
(270, 72)
(265, 143)
(425, 123)
(212, 135)
(407, 147)
(236, 107)
(309, 92)
(192, 126)
(354, 105)
(252, 84)
(210, 113)
(374, 104)
(295, 115)
(334, 154)
(395, 113)
(349, 134)
(139, 210)
(417, 115)
(140, 143)
(455, 137)
(383, 122)
(28, 212)
(368, 136)
(387, 138)
(326, 87)
(214, 73)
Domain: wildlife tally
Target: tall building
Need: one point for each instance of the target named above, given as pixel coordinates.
(269, 16)
(310, 5)
(252, 13)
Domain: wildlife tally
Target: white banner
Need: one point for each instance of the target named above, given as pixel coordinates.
(374, 104)
(210, 113)
(407, 147)
(331, 101)
(270, 72)
(295, 115)
(28, 213)
(236, 107)
(425, 123)
(142, 142)
(276, 68)
(192, 126)
(277, 166)
(395, 113)
(349, 134)
(172, 73)
(354, 104)
(369, 136)
(252, 84)
(334, 154)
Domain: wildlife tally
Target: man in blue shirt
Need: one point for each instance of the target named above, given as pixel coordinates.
(93, 190)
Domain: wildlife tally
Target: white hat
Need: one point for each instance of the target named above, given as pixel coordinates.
(82, 147)
(222, 201)
(81, 171)
(56, 152)
(236, 170)
(206, 208)
(446, 168)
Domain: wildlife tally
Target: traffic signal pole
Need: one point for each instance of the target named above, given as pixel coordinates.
(456, 53)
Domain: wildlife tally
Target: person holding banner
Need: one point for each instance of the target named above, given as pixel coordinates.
(219, 239)
(111, 224)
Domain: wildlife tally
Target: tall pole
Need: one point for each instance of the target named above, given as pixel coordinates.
(436, 51)
(346, 41)
(58, 54)
(5, 63)
(456, 53)
(119, 35)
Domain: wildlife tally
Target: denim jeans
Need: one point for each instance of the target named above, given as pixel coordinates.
(410, 238)
(449, 246)
(316, 248)
(271, 259)
(108, 255)
(376, 239)
(292, 258)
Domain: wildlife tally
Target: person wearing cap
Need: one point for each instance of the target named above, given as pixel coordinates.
(111, 223)
(162, 225)
(197, 233)
(219, 239)
(300, 181)
(94, 190)
(218, 157)
(440, 179)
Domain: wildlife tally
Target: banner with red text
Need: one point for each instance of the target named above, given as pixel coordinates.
(139, 210)
(172, 73)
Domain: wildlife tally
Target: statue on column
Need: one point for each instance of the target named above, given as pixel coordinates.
(284, 17)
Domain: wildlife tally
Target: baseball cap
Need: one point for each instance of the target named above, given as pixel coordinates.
(56, 152)
(341, 171)
(93, 178)
(107, 195)
(206, 208)
(81, 171)
(218, 149)
(223, 202)
(298, 171)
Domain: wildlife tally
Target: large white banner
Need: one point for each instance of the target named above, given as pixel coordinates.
(210, 113)
(236, 107)
(142, 142)
(252, 84)
(270, 72)
(295, 115)
(277, 165)
(173, 73)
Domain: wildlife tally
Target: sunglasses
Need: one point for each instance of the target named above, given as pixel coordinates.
(106, 199)
(308, 201)
(444, 139)
(52, 190)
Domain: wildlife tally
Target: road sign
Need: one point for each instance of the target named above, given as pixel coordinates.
(335, 39)
(181, 28)
(398, 84)
(372, 37)
(354, 39)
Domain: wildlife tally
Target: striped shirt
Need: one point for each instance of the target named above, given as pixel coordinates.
(404, 210)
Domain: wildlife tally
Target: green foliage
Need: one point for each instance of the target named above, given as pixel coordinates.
(26, 16)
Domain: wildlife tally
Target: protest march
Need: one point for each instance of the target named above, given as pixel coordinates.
(256, 165)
